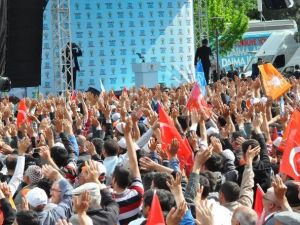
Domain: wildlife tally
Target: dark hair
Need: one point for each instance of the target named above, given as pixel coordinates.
(25, 217)
(111, 147)
(215, 163)
(59, 155)
(231, 191)
(214, 181)
(147, 180)
(45, 184)
(165, 197)
(183, 121)
(121, 176)
(98, 143)
(11, 162)
(206, 186)
(160, 180)
(292, 193)
(254, 143)
(297, 67)
(204, 41)
(237, 134)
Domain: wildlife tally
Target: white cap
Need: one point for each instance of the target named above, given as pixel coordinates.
(115, 116)
(36, 197)
(59, 144)
(277, 142)
(122, 144)
(211, 131)
(91, 187)
(228, 154)
(120, 126)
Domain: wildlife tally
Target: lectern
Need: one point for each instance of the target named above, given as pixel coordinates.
(146, 74)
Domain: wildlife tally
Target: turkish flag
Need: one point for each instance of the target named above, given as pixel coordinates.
(156, 216)
(290, 163)
(22, 110)
(274, 83)
(258, 203)
(168, 133)
(196, 99)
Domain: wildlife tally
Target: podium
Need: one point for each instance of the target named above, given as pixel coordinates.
(146, 74)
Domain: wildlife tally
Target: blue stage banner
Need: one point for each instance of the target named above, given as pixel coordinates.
(111, 32)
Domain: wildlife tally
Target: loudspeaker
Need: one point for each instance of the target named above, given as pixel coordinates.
(278, 4)
(24, 42)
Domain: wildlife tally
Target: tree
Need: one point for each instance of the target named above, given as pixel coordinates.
(229, 19)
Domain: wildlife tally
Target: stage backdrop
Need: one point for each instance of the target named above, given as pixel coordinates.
(110, 33)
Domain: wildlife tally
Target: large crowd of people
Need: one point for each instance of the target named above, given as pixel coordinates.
(97, 158)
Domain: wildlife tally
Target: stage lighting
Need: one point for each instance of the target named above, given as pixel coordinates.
(5, 84)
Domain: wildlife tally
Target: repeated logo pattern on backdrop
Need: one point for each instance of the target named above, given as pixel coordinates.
(110, 33)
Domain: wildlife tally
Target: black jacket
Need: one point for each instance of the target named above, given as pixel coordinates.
(109, 212)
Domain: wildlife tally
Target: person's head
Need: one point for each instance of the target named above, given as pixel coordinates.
(46, 185)
(251, 142)
(204, 42)
(59, 155)
(81, 143)
(147, 180)
(11, 162)
(33, 175)
(165, 197)
(292, 193)
(203, 181)
(270, 201)
(120, 178)
(215, 163)
(260, 61)
(160, 180)
(110, 148)
(58, 190)
(214, 180)
(37, 199)
(25, 217)
(94, 190)
(119, 130)
(98, 143)
(229, 192)
(297, 67)
(92, 95)
(244, 216)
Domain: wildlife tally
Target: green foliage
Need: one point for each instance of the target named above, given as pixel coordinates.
(228, 19)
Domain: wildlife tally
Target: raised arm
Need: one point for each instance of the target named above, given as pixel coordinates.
(131, 152)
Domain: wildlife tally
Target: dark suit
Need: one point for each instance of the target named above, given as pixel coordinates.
(76, 51)
(255, 71)
(203, 54)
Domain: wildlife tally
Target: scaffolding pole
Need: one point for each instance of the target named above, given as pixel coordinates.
(62, 47)
(201, 22)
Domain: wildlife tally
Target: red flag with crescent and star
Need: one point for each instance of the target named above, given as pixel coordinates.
(196, 99)
(290, 163)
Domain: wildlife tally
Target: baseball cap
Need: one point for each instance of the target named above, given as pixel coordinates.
(36, 197)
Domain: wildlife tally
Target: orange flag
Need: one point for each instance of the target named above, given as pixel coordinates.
(258, 203)
(168, 132)
(196, 99)
(156, 216)
(274, 83)
(22, 110)
(290, 163)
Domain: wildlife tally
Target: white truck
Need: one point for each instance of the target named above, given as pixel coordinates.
(282, 49)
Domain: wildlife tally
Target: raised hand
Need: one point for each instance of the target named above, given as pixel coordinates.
(174, 147)
(251, 153)
(92, 172)
(147, 164)
(24, 145)
(90, 147)
(217, 146)
(51, 173)
(175, 215)
(81, 203)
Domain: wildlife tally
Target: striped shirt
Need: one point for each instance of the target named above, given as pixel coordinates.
(130, 201)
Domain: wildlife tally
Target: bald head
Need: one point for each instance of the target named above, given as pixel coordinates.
(244, 216)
